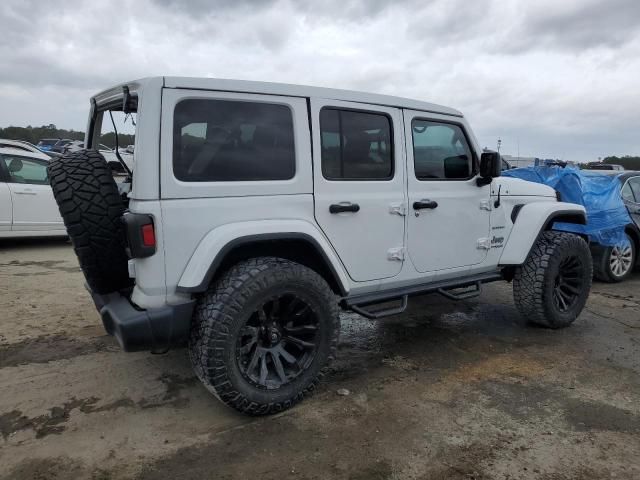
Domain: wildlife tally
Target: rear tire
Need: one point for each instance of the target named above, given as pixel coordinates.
(615, 264)
(91, 208)
(552, 286)
(264, 334)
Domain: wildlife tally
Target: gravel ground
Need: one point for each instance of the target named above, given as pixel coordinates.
(447, 390)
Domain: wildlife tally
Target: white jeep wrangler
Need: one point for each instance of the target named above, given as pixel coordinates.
(255, 210)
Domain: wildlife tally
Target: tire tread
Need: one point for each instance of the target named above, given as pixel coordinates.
(218, 308)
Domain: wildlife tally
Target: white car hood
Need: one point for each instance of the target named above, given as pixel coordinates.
(517, 187)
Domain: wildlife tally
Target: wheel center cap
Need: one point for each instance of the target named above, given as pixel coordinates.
(273, 336)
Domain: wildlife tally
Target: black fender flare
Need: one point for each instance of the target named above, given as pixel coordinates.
(264, 238)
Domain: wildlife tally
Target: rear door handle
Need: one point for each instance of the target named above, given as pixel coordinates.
(24, 192)
(425, 204)
(344, 207)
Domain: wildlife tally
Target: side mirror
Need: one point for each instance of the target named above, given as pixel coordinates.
(490, 167)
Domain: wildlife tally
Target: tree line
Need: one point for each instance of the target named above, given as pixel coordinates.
(627, 161)
(35, 134)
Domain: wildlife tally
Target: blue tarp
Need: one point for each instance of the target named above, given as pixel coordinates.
(607, 215)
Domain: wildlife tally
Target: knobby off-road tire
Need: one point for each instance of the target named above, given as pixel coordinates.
(282, 295)
(91, 208)
(605, 267)
(551, 288)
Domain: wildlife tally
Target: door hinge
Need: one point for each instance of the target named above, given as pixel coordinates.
(485, 205)
(396, 253)
(484, 243)
(398, 209)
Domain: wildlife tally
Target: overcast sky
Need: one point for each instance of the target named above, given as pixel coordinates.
(561, 78)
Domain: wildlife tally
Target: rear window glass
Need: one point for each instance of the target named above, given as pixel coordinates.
(355, 145)
(225, 140)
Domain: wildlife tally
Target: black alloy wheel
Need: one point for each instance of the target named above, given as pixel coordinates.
(278, 342)
(569, 283)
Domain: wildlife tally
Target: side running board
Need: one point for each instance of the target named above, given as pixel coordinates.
(459, 293)
(456, 294)
(383, 312)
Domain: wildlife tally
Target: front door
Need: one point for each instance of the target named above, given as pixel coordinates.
(359, 185)
(449, 215)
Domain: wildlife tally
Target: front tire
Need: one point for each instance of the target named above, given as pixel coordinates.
(616, 264)
(264, 334)
(551, 288)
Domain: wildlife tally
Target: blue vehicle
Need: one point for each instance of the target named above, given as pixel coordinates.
(612, 201)
(46, 144)
(615, 263)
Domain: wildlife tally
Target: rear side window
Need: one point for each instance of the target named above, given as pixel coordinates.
(226, 141)
(440, 151)
(355, 145)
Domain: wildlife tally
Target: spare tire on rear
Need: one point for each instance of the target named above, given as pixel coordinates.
(91, 207)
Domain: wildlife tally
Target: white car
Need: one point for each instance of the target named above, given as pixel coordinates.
(27, 206)
(25, 147)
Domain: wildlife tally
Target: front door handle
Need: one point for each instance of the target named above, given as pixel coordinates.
(344, 207)
(24, 192)
(425, 204)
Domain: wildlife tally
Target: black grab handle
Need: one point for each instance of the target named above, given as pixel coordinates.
(425, 204)
(344, 207)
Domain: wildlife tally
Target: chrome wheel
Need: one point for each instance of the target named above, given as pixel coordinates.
(621, 260)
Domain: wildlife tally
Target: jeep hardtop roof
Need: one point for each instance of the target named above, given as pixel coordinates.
(270, 88)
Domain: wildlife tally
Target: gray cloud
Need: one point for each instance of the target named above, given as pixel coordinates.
(557, 78)
(582, 25)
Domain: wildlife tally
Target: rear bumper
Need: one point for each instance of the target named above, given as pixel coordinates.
(155, 329)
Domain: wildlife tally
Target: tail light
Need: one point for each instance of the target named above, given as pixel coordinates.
(148, 235)
(141, 235)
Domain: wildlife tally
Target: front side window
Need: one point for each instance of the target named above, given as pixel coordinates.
(627, 193)
(26, 170)
(355, 145)
(440, 151)
(226, 141)
(634, 183)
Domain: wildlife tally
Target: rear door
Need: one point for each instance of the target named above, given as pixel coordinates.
(359, 185)
(34, 207)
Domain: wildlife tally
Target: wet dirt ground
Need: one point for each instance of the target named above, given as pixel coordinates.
(448, 390)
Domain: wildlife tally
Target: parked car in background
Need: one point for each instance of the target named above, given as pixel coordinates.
(603, 166)
(45, 144)
(60, 144)
(614, 264)
(73, 146)
(25, 147)
(27, 206)
(108, 153)
(612, 201)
